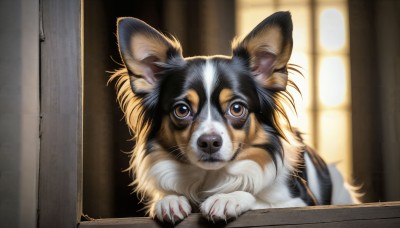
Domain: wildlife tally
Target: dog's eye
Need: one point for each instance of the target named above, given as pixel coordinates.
(181, 111)
(237, 110)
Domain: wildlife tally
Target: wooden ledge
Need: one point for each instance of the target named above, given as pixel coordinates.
(385, 214)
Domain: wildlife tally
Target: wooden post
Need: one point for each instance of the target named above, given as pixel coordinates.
(60, 174)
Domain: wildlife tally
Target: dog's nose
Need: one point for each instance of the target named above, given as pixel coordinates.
(209, 143)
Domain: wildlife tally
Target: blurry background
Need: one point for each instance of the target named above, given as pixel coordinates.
(350, 106)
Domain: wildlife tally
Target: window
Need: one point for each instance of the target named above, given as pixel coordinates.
(321, 48)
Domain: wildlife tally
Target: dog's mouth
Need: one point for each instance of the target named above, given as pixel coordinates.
(210, 159)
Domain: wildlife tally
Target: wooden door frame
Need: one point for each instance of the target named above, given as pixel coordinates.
(60, 173)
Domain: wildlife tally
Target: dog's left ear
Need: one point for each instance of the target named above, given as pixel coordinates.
(267, 50)
(144, 50)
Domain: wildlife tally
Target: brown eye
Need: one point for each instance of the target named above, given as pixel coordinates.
(237, 110)
(181, 111)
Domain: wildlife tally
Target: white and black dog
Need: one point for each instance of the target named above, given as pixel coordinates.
(211, 133)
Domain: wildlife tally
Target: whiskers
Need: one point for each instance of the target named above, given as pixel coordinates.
(177, 151)
(240, 145)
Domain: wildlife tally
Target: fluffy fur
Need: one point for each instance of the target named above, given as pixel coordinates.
(211, 133)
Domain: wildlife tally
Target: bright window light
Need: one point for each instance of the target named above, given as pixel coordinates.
(332, 30)
(335, 139)
(332, 82)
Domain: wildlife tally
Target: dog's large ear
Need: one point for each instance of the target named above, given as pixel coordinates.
(267, 49)
(143, 50)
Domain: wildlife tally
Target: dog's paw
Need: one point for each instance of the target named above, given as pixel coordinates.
(172, 209)
(226, 206)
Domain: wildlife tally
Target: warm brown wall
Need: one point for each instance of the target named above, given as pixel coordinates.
(388, 56)
(375, 85)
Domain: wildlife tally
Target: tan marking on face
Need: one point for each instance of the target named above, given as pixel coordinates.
(166, 135)
(260, 136)
(173, 140)
(260, 156)
(253, 128)
(224, 97)
(182, 138)
(193, 98)
(237, 137)
(255, 135)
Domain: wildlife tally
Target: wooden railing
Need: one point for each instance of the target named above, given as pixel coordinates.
(379, 215)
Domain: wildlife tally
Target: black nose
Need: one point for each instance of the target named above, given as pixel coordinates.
(209, 143)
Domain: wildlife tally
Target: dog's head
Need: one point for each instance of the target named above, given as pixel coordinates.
(206, 111)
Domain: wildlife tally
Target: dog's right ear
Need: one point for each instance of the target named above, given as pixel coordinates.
(143, 50)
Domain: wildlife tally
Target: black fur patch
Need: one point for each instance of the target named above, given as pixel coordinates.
(298, 181)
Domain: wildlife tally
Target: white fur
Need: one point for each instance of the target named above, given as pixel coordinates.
(312, 177)
(209, 75)
(172, 208)
(224, 206)
(277, 194)
(342, 193)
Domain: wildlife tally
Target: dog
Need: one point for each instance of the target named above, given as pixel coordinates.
(211, 133)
